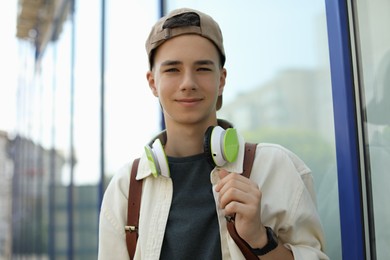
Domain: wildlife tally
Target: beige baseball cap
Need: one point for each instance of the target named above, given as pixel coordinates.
(207, 28)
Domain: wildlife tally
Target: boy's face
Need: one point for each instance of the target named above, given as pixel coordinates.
(187, 78)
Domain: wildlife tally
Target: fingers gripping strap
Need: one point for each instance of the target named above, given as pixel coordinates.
(249, 156)
(134, 202)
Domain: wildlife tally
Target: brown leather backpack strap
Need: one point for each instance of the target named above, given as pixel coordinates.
(244, 247)
(249, 156)
(133, 208)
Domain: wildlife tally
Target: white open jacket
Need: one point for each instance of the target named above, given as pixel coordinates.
(288, 206)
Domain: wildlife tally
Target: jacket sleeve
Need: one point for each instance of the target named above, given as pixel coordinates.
(288, 201)
(112, 238)
(305, 229)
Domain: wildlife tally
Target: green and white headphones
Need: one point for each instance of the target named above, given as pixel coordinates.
(220, 147)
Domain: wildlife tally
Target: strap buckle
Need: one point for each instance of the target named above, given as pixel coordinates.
(131, 229)
(230, 218)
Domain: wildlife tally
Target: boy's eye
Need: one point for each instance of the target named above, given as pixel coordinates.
(204, 69)
(171, 70)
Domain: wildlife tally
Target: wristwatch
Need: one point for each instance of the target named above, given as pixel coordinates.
(271, 244)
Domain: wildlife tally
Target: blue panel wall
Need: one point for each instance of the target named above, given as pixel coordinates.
(345, 131)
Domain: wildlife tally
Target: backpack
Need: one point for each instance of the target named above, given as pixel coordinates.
(134, 203)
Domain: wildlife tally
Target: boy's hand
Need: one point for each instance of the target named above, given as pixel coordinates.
(240, 196)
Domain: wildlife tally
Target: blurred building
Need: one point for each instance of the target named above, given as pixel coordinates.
(34, 208)
(36, 171)
(5, 198)
(269, 105)
(35, 211)
(41, 21)
(84, 223)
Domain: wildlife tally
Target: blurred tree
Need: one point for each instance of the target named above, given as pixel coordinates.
(313, 149)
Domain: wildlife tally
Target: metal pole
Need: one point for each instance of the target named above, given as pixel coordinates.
(70, 206)
(52, 195)
(102, 103)
(162, 13)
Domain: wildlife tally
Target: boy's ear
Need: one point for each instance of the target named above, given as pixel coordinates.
(152, 82)
(222, 80)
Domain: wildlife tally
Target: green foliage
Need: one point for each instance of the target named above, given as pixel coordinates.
(314, 150)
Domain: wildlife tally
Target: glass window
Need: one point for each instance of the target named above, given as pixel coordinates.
(132, 112)
(278, 86)
(374, 39)
(57, 150)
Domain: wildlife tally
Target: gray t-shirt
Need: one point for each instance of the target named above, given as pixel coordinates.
(192, 230)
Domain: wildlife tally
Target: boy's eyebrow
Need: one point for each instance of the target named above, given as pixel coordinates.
(171, 62)
(204, 62)
(177, 62)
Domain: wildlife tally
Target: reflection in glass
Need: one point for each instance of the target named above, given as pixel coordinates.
(373, 17)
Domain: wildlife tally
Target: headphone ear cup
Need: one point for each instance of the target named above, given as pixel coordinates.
(220, 145)
(216, 146)
(153, 162)
(207, 145)
(158, 161)
(230, 145)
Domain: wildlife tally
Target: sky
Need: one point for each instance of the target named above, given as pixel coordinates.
(8, 66)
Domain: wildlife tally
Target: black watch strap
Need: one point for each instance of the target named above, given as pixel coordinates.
(271, 244)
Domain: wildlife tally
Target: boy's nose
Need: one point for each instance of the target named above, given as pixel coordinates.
(189, 82)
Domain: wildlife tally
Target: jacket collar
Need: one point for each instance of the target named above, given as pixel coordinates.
(236, 166)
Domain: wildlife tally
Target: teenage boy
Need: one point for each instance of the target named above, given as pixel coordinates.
(191, 171)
